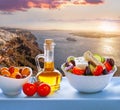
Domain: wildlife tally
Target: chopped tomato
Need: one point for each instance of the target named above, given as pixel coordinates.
(108, 66)
(98, 70)
(77, 71)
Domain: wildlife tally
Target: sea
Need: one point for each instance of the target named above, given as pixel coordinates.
(68, 44)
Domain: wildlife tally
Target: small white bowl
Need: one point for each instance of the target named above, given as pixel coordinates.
(12, 86)
(89, 84)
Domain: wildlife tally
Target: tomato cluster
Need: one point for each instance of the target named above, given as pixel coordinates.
(42, 89)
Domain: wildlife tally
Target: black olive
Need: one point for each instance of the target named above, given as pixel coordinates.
(105, 72)
(67, 64)
(73, 62)
(111, 61)
(87, 71)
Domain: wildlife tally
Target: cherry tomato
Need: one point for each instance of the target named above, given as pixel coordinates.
(98, 70)
(29, 89)
(43, 90)
(18, 76)
(77, 71)
(108, 66)
(11, 69)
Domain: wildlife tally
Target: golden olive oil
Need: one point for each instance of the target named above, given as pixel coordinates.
(52, 78)
(49, 75)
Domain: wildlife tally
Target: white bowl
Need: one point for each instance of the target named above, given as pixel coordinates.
(89, 84)
(12, 86)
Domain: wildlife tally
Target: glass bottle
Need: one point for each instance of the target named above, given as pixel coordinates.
(49, 74)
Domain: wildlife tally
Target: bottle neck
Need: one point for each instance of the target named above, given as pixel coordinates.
(49, 53)
(49, 57)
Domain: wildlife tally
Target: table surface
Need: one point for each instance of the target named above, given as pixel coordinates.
(67, 97)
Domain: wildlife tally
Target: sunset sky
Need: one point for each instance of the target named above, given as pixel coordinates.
(61, 14)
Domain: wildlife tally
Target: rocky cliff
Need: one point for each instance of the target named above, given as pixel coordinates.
(18, 48)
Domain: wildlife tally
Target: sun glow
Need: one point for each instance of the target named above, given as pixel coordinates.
(108, 27)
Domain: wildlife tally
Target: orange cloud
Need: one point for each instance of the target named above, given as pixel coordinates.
(23, 5)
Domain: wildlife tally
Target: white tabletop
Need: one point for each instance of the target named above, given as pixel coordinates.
(67, 98)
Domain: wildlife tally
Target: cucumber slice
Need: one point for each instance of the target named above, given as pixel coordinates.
(92, 68)
(99, 58)
(103, 60)
(70, 58)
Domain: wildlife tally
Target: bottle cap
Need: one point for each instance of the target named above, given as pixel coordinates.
(49, 41)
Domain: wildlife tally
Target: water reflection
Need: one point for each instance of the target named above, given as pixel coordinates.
(110, 47)
(106, 46)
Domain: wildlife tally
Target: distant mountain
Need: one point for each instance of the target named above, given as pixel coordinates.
(18, 48)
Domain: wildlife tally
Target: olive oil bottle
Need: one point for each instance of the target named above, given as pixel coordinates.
(48, 75)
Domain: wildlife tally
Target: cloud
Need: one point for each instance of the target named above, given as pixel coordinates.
(23, 5)
(94, 1)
